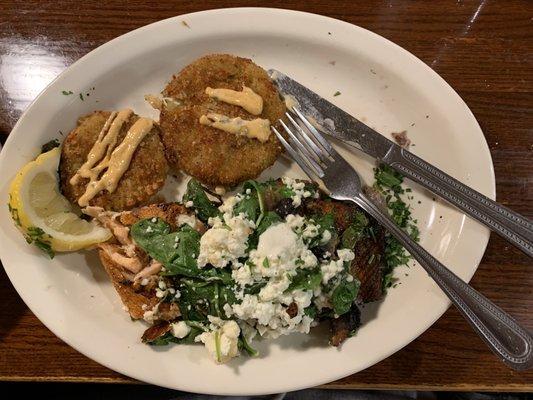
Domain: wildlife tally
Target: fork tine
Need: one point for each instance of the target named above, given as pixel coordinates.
(312, 158)
(296, 157)
(317, 135)
(314, 149)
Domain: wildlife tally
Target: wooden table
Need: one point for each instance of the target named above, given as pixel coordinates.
(484, 49)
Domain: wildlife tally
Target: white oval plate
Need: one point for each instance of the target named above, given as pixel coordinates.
(379, 83)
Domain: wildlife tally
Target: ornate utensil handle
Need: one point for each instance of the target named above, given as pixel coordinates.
(504, 336)
(511, 226)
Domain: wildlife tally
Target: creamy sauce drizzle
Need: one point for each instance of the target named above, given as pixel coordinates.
(108, 158)
(247, 98)
(256, 129)
(290, 101)
(159, 103)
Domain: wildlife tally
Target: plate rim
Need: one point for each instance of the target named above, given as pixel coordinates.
(484, 237)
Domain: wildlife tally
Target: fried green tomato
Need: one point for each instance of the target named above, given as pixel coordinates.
(211, 155)
(144, 177)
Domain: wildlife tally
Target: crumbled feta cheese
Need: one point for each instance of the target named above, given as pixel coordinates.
(330, 269)
(282, 247)
(222, 341)
(151, 316)
(298, 187)
(180, 329)
(149, 229)
(296, 222)
(144, 282)
(154, 220)
(189, 204)
(274, 288)
(349, 278)
(326, 237)
(183, 219)
(345, 254)
(229, 203)
(242, 275)
(333, 267)
(225, 242)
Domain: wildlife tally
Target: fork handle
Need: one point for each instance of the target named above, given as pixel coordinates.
(504, 336)
(513, 227)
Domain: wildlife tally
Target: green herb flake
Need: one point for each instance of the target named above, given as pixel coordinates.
(81, 97)
(266, 263)
(14, 213)
(40, 239)
(67, 93)
(52, 144)
(389, 184)
(337, 93)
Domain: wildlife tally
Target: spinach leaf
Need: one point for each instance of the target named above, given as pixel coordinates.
(202, 298)
(254, 288)
(311, 311)
(253, 203)
(344, 295)
(306, 279)
(204, 208)
(354, 232)
(177, 251)
(244, 345)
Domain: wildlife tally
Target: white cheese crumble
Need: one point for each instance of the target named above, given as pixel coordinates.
(298, 188)
(183, 219)
(333, 267)
(279, 255)
(225, 242)
(150, 316)
(222, 341)
(180, 329)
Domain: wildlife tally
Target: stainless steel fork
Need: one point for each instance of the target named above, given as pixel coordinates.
(320, 161)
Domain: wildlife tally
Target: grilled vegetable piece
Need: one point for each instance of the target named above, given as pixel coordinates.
(345, 326)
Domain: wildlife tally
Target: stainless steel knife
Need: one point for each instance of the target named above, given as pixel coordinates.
(335, 122)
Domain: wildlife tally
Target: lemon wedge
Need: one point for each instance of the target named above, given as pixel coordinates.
(45, 217)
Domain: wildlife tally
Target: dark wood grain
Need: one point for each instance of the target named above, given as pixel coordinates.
(484, 49)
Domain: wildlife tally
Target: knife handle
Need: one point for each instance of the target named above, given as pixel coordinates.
(511, 226)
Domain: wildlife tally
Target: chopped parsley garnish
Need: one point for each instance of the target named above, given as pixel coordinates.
(389, 184)
(81, 96)
(337, 93)
(14, 213)
(67, 93)
(40, 239)
(52, 144)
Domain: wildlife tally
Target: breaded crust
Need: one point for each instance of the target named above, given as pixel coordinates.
(134, 301)
(144, 177)
(168, 212)
(213, 156)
